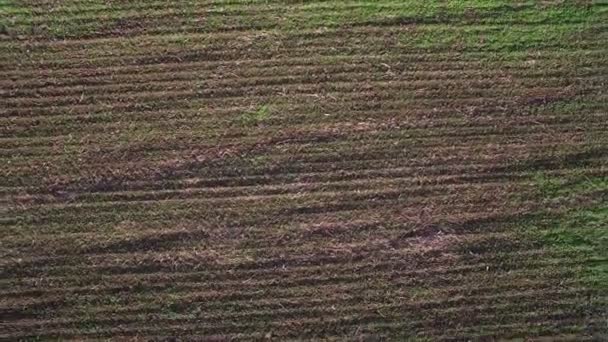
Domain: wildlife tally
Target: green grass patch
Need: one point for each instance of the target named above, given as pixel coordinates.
(255, 117)
(492, 38)
(71, 19)
(529, 27)
(553, 187)
(581, 229)
(584, 231)
(21, 18)
(10, 12)
(435, 12)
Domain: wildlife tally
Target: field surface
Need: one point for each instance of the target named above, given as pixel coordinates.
(303, 170)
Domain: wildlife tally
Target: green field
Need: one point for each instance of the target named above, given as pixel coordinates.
(303, 170)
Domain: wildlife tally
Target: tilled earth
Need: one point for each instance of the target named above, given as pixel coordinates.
(336, 170)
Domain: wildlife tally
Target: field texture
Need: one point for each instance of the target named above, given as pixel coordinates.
(345, 170)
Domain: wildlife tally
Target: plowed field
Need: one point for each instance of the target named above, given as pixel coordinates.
(303, 170)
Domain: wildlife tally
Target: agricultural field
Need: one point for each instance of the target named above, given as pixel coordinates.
(303, 170)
